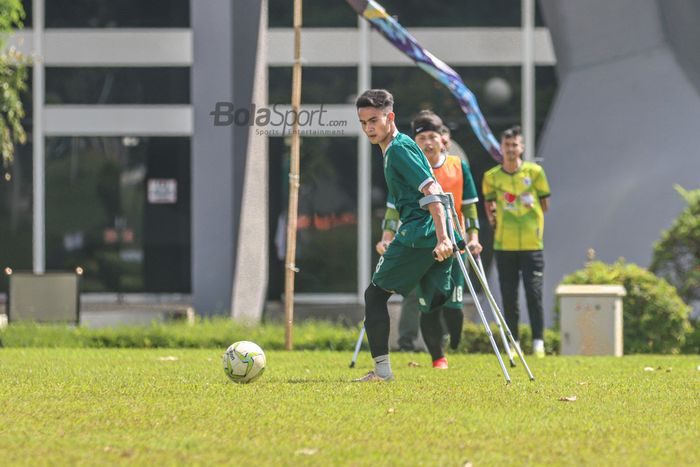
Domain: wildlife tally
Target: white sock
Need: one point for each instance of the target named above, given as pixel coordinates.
(538, 345)
(382, 366)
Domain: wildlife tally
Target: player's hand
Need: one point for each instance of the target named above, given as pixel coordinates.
(474, 247)
(381, 246)
(443, 250)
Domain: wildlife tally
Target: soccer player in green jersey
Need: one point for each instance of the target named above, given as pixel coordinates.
(518, 193)
(421, 254)
(454, 176)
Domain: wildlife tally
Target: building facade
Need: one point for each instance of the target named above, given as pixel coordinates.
(153, 199)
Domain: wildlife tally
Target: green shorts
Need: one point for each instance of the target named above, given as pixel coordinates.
(458, 284)
(402, 268)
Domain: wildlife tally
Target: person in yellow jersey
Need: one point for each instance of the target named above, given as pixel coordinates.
(516, 194)
(454, 177)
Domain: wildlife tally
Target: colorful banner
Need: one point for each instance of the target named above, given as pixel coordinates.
(402, 40)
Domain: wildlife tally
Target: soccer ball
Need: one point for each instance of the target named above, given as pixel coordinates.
(244, 362)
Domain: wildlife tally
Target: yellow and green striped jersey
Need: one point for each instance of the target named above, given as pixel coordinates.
(519, 215)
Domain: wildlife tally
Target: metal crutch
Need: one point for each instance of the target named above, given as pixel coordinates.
(500, 320)
(500, 316)
(357, 346)
(447, 201)
(492, 304)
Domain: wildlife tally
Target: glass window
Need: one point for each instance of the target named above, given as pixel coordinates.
(117, 14)
(27, 5)
(101, 85)
(410, 13)
(320, 85)
(120, 208)
(16, 199)
(16, 212)
(327, 222)
(315, 14)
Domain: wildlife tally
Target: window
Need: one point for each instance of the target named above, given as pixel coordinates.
(117, 14)
(327, 221)
(410, 13)
(101, 85)
(16, 212)
(320, 85)
(315, 14)
(120, 208)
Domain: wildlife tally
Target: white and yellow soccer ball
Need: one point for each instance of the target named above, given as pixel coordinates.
(244, 362)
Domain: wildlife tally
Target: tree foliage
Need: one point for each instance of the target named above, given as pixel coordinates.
(13, 78)
(677, 254)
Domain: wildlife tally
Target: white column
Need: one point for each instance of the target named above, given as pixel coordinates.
(528, 78)
(364, 173)
(39, 182)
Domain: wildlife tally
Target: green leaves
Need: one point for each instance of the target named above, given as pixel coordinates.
(655, 318)
(13, 77)
(677, 253)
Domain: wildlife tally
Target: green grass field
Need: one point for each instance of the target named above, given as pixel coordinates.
(139, 407)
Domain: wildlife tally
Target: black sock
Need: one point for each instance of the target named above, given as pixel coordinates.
(377, 320)
(455, 320)
(431, 328)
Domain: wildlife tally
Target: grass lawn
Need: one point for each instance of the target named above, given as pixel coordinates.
(137, 407)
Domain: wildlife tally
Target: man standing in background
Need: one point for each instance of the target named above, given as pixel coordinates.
(517, 196)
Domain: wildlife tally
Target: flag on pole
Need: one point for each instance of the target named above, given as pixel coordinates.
(392, 31)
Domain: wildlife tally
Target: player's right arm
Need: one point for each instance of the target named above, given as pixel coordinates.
(443, 249)
(389, 226)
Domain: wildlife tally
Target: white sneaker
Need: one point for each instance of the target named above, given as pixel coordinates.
(538, 348)
(372, 377)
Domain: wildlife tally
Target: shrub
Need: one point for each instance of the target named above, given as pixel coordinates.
(692, 339)
(475, 339)
(677, 254)
(654, 316)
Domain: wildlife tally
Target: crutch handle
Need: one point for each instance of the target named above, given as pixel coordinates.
(454, 250)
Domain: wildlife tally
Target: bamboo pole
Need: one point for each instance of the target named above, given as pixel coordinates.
(290, 267)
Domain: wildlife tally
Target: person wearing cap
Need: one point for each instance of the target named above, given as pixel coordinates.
(454, 176)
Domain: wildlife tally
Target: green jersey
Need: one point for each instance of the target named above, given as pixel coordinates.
(519, 215)
(407, 172)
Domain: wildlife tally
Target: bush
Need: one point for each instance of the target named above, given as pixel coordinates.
(208, 333)
(654, 316)
(692, 339)
(677, 254)
(221, 332)
(475, 340)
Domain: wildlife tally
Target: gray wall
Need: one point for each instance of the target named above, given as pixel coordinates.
(620, 133)
(225, 35)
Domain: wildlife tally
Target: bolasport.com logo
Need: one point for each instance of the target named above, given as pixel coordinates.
(278, 120)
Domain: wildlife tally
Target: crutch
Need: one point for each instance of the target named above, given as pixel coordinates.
(499, 315)
(446, 201)
(357, 346)
(493, 306)
(480, 274)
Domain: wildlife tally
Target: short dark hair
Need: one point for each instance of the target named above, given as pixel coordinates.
(426, 120)
(512, 132)
(377, 98)
(445, 130)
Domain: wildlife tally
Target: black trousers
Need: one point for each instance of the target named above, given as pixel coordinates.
(511, 265)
